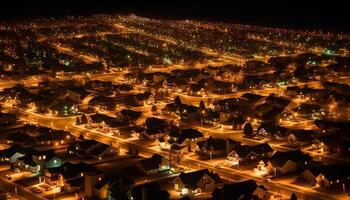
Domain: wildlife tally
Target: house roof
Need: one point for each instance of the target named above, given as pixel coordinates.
(110, 121)
(278, 101)
(331, 172)
(174, 131)
(132, 100)
(307, 108)
(80, 90)
(130, 114)
(151, 190)
(20, 137)
(235, 121)
(213, 144)
(239, 190)
(72, 170)
(280, 158)
(304, 135)
(35, 152)
(28, 160)
(103, 100)
(191, 179)
(155, 123)
(12, 150)
(171, 107)
(188, 108)
(85, 144)
(28, 128)
(54, 170)
(153, 131)
(190, 133)
(56, 135)
(251, 97)
(151, 163)
(244, 150)
(212, 115)
(273, 128)
(102, 183)
(143, 96)
(262, 148)
(76, 182)
(99, 149)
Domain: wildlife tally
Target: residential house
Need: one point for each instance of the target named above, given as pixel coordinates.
(301, 137)
(211, 117)
(79, 95)
(41, 157)
(245, 153)
(69, 176)
(36, 160)
(221, 87)
(151, 191)
(241, 190)
(102, 102)
(103, 87)
(215, 147)
(272, 130)
(29, 129)
(189, 137)
(154, 164)
(120, 188)
(54, 137)
(28, 164)
(137, 100)
(192, 183)
(287, 162)
(11, 155)
(311, 111)
(188, 112)
(155, 128)
(268, 113)
(328, 176)
(19, 138)
(334, 144)
(130, 115)
(96, 185)
(91, 149)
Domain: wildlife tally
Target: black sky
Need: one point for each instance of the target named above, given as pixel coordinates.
(303, 14)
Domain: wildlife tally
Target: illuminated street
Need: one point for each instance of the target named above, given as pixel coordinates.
(130, 107)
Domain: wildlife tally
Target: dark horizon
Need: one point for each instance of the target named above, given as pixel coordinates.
(270, 13)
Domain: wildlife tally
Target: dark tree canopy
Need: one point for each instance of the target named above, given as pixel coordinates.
(248, 129)
(178, 101)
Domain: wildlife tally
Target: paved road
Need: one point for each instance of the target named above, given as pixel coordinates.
(228, 173)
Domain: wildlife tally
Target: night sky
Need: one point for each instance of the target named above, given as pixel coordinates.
(303, 14)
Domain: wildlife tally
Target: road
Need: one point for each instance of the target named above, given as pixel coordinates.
(227, 173)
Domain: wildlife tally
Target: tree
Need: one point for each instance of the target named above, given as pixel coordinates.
(293, 197)
(248, 129)
(84, 119)
(154, 109)
(202, 105)
(300, 71)
(78, 121)
(178, 101)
